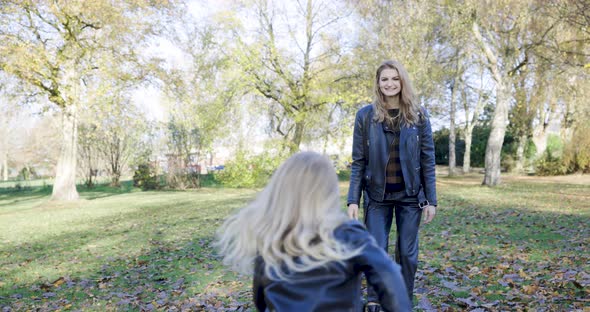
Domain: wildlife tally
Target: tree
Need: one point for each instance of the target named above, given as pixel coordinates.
(472, 117)
(200, 94)
(293, 62)
(54, 46)
(511, 36)
(88, 152)
(7, 112)
(414, 44)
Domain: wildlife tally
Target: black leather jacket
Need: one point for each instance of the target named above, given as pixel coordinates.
(336, 286)
(370, 154)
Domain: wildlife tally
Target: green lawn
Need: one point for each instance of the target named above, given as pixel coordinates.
(521, 245)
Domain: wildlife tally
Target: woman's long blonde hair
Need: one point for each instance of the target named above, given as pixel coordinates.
(291, 222)
(409, 109)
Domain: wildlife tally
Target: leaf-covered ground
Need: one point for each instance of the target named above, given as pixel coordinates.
(520, 246)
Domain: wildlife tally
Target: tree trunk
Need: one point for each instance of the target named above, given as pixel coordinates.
(522, 140)
(452, 134)
(540, 130)
(64, 187)
(467, 155)
(5, 167)
(567, 124)
(540, 140)
(297, 137)
(494, 146)
(115, 179)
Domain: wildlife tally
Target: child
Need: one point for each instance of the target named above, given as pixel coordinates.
(306, 255)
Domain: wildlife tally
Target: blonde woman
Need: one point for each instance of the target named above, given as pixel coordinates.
(393, 167)
(304, 252)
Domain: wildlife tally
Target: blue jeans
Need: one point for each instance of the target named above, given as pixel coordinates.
(378, 220)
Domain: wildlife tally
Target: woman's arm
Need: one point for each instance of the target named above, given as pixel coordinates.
(357, 170)
(427, 162)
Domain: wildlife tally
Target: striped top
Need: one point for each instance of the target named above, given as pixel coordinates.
(394, 181)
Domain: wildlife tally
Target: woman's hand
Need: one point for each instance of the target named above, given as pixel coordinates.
(429, 212)
(353, 211)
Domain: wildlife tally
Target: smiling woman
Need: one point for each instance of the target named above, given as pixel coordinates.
(393, 167)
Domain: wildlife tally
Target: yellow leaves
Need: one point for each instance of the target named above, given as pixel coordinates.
(523, 274)
(478, 291)
(59, 282)
(530, 289)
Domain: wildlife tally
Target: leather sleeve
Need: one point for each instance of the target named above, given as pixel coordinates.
(381, 272)
(359, 160)
(427, 161)
(257, 287)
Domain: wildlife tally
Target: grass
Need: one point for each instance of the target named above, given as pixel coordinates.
(521, 245)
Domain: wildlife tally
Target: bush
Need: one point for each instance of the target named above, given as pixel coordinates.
(576, 152)
(248, 171)
(547, 165)
(551, 163)
(145, 177)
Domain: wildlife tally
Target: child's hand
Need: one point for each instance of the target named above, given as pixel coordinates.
(353, 211)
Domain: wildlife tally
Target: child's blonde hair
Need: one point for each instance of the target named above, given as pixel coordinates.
(291, 222)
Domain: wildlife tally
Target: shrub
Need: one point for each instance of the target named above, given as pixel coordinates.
(548, 165)
(145, 177)
(248, 171)
(551, 163)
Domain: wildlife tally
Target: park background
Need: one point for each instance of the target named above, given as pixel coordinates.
(130, 129)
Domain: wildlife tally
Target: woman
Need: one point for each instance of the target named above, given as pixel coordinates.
(306, 254)
(393, 167)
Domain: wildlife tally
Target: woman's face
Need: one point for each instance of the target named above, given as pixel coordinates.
(389, 82)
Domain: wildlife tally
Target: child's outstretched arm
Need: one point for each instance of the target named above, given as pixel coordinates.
(382, 273)
(257, 288)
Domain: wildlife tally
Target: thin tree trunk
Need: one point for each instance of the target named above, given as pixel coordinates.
(567, 129)
(469, 125)
(452, 133)
(64, 187)
(5, 167)
(522, 140)
(467, 155)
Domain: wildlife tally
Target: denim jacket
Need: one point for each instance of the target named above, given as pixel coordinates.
(370, 154)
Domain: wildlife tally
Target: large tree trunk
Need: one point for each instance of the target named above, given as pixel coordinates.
(467, 155)
(64, 187)
(297, 137)
(452, 133)
(540, 139)
(494, 146)
(522, 140)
